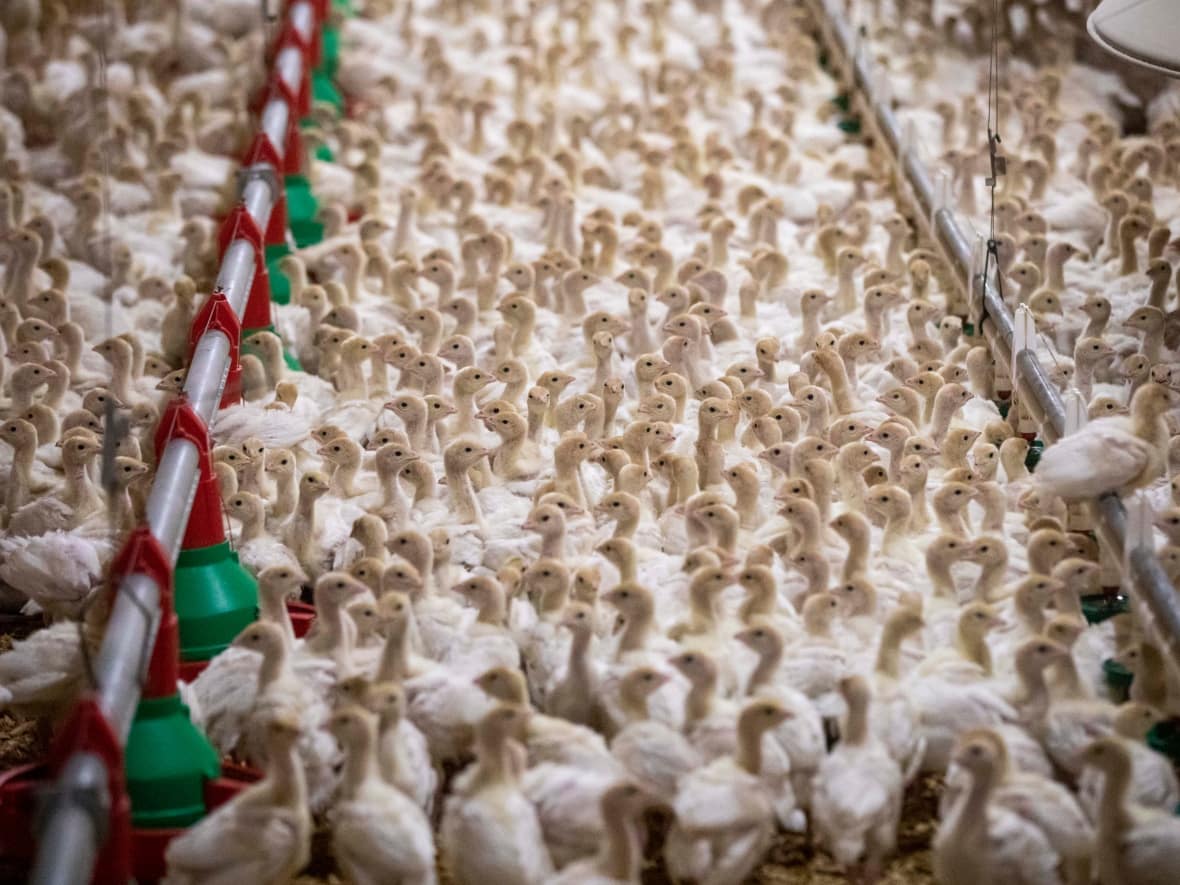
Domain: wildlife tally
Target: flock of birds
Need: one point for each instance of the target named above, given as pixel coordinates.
(640, 460)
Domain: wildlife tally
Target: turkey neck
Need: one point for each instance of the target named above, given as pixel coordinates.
(391, 492)
(1148, 425)
(889, 651)
(759, 602)
(252, 523)
(626, 525)
(493, 608)
(20, 282)
(405, 226)
(378, 376)
(749, 748)
(359, 764)
(967, 827)
(974, 648)
(288, 784)
(579, 675)
(858, 554)
(622, 852)
(702, 612)
(1113, 817)
(553, 546)
(522, 338)
(509, 454)
(727, 534)
(1130, 259)
(939, 572)
(387, 762)
(305, 524)
(1035, 700)
(1158, 296)
(495, 764)
(896, 527)
(274, 666)
(79, 491)
(273, 610)
(286, 494)
(633, 702)
(990, 579)
(635, 630)
(768, 663)
(536, 421)
(514, 390)
(1069, 682)
(833, 367)
(919, 513)
(394, 665)
(462, 495)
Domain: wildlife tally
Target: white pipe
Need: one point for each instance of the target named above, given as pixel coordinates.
(74, 822)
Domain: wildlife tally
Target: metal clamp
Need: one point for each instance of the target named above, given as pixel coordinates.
(86, 791)
(260, 172)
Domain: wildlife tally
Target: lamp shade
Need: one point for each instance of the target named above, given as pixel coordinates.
(1145, 32)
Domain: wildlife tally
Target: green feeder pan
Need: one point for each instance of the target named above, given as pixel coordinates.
(168, 762)
(969, 329)
(849, 125)
(1164, 737)
(302, 209)
(1098, 607)
(322, 152)
(280, 286)
(215, 600)
(329, 52)
(323, 89)
(1118, 679)
(1004, 406)
(842, 102)
(1035, 449)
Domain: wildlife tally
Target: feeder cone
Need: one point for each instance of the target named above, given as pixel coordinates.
(167, 761)
(215, 598)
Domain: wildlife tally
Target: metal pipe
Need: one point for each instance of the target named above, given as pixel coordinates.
(1149, 582)
(77, 805)
(68, 843)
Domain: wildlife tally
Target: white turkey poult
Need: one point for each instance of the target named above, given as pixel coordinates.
(660, 504)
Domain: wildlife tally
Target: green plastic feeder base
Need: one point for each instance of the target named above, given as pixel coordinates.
(215, 600)
(849, 126)
(1035, 449)
(302, 209)
(323, 89)
(329, 51)
(1098, 607)
(280, 286)
(1118, 679)
(1004, 406)
(1164, 737)
(168, 761)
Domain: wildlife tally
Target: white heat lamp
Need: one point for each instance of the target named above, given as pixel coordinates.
(1145, 32)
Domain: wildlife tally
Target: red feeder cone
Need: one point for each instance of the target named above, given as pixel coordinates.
(215, 597)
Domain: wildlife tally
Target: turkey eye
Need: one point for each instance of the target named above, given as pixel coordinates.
(467, 449)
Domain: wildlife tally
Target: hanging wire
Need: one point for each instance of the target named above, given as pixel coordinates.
(115, 424)
(997, 164)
